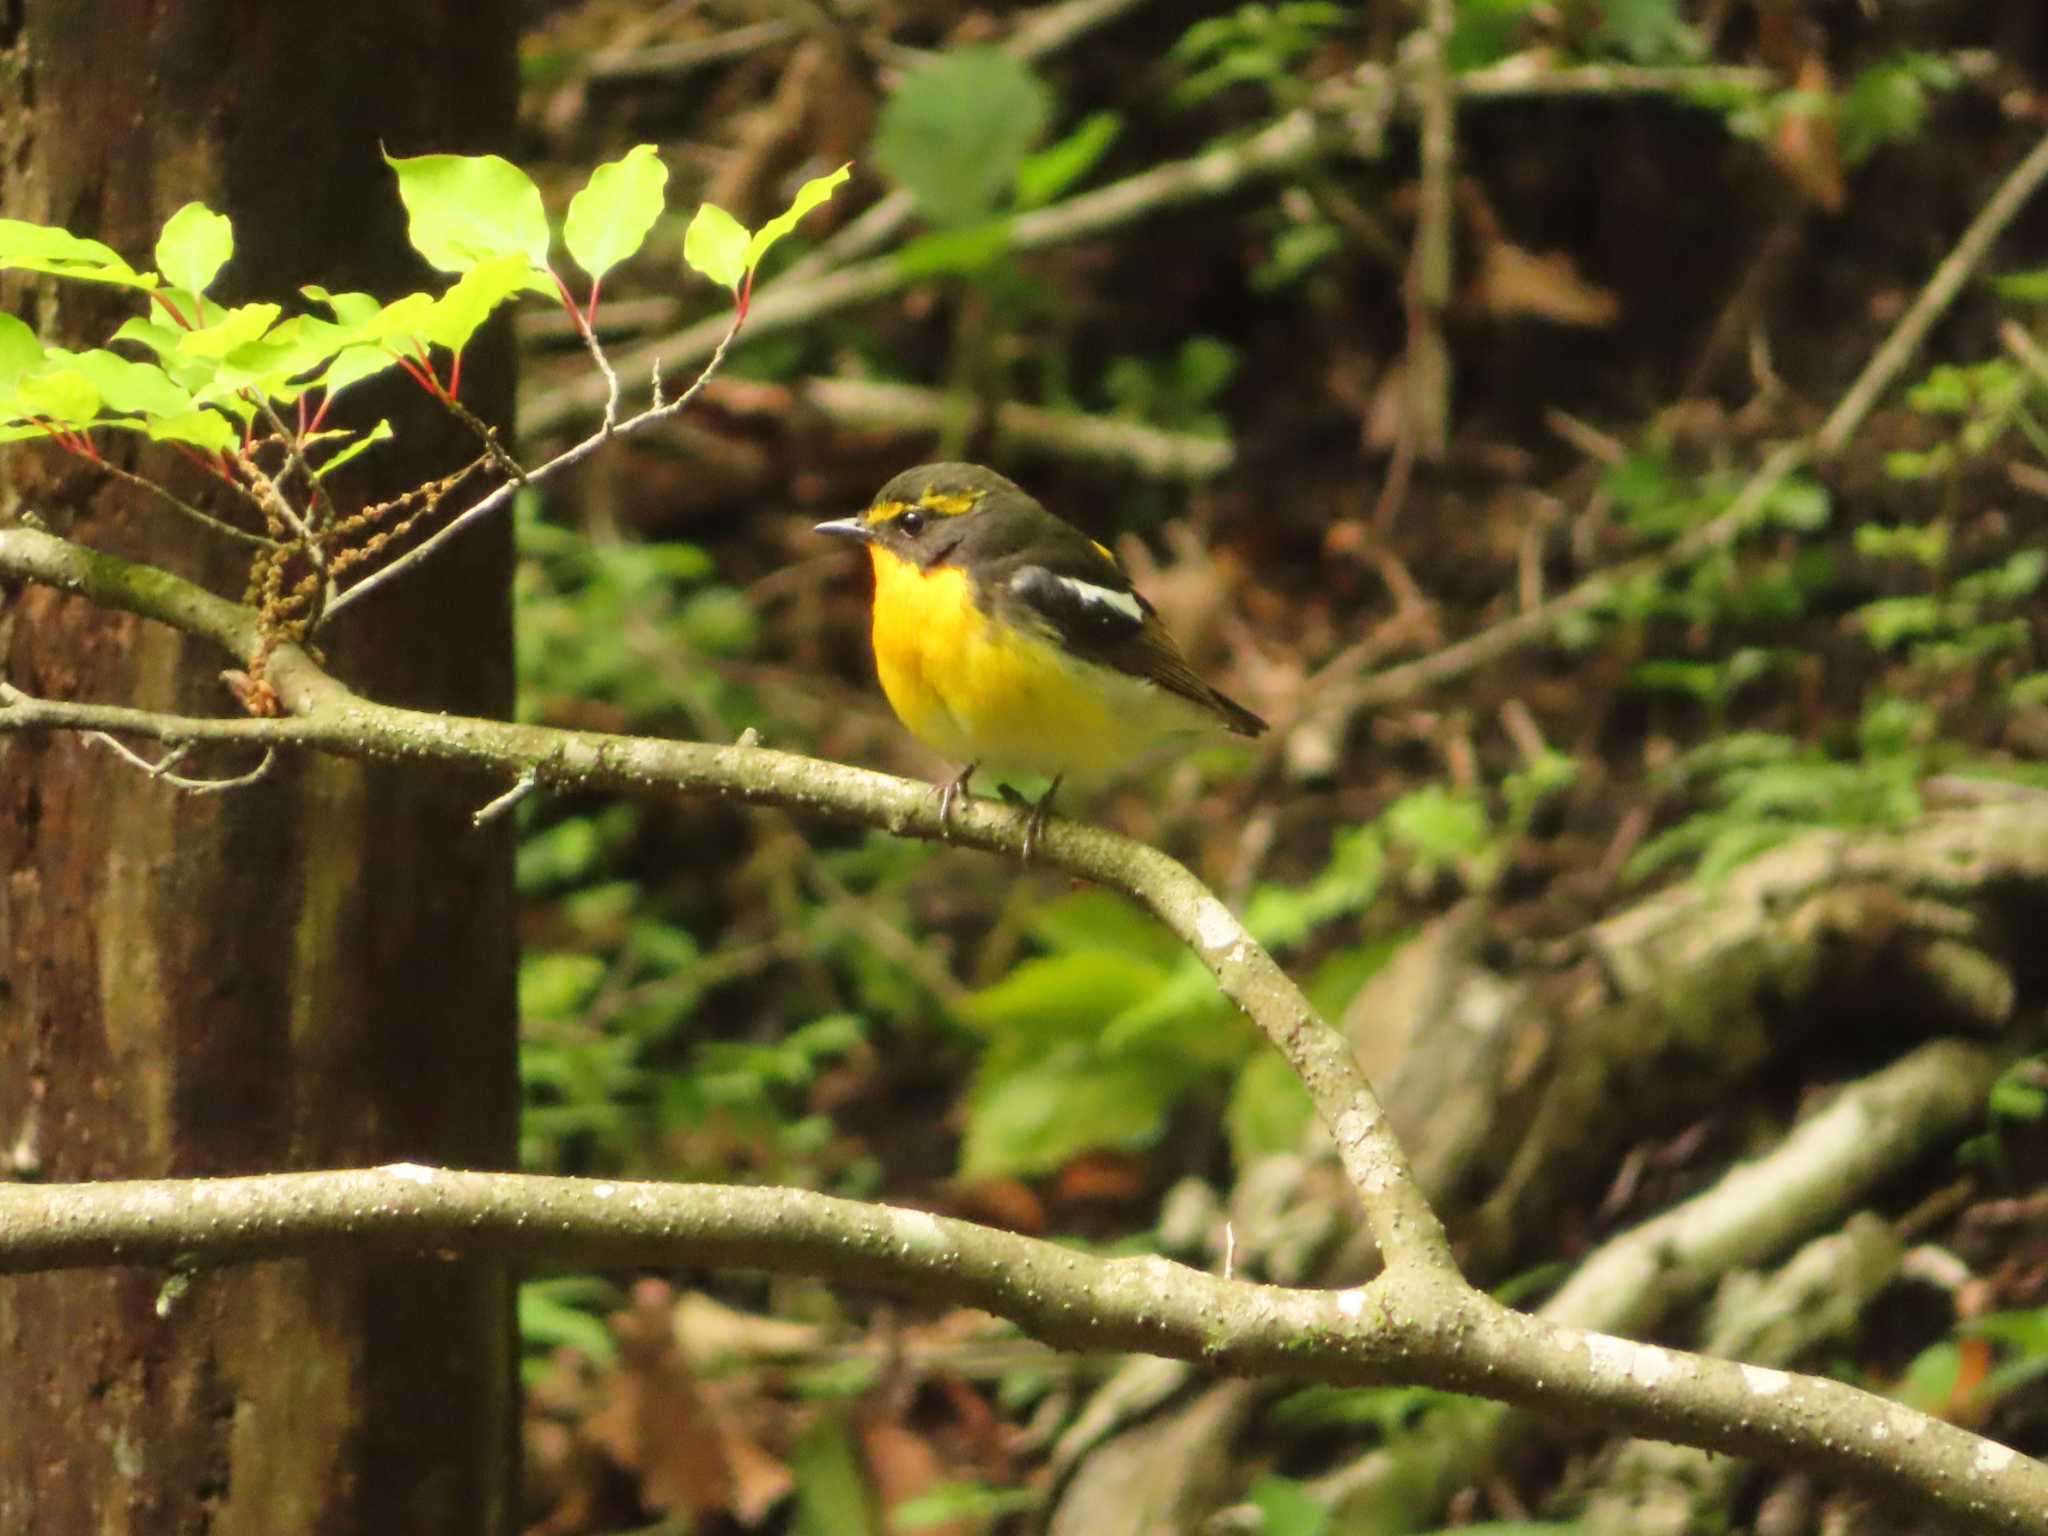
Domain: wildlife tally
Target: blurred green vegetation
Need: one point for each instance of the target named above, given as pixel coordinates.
(713, 993)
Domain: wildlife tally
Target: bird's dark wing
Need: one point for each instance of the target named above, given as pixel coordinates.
(1084, 597)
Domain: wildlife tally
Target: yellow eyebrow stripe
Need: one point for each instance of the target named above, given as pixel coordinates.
(953, 504)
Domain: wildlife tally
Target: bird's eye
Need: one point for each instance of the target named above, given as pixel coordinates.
(911, 523)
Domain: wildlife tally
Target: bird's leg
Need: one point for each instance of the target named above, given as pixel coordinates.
(953, 789)
(1035, 827)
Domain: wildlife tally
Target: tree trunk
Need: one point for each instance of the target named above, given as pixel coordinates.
(316, 970)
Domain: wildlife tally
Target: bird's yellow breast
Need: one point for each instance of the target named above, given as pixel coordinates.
(976, 690)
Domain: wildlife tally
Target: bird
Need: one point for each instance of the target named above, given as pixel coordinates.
(1008, 640)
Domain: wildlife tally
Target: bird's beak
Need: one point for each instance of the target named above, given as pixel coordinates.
(845, 528)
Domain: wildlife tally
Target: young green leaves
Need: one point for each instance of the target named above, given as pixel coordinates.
(210, 370)
(610, 218)
(724, 250)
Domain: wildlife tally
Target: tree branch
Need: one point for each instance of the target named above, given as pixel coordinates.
(330, 718)
(1419, 1321)
(1414, 1327)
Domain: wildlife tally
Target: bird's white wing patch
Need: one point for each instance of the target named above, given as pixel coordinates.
(1090, 595)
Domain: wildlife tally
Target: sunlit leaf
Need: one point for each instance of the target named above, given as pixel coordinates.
(715, 244)
(609, 219)
(203, 429)
(378, 434)
(195, 244)
(464, 209)
(126, 385)
(812, 194)
(58, 393)
(1032, 1121)
(27, 247)
(237, 328)
(470, 302)
(20, 350)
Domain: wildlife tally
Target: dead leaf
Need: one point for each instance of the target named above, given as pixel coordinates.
(902, 1465)
(683, 1443)
(1514, 281)
(1803, 140)
(710, 1333)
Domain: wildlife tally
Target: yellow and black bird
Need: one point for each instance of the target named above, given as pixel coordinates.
(1009, 640)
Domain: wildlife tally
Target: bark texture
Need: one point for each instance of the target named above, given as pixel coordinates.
(311, 972)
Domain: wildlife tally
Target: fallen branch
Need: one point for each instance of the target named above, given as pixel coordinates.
(1149, 451)
(1810, 1182)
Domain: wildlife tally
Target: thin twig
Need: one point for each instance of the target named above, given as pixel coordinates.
(668, 61)
(489, 812)
(1280, 146)
(205, 519)
(2020, 184)
(1426, 368)
(493, 500)
(161, 769)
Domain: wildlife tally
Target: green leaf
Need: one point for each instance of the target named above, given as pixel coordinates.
(203, 429)
(1484, 32)
(1043, 176)
(961, 1505)
(1286, 1508)
(1648, 31)
(464, 209)
(126, 385)
(20, 350)
(1036, 1120)
(609, 219)
(349, 308)
(1099, 919)
(946, 252)
(1924, 545)
(2023, 287)
(1069, 995)
(956, 131)
(812, 194)
(1891, 621)
(715, 244)
(546, 1323)
(1438, 824)
(474, 295)
(1268, 1110)
(195, 244)
(1888, 102)
(26, 247)
(558, 985)
(1799, 504)
(237, 328)
(832, 1495)
(378, 434)
(57, 393)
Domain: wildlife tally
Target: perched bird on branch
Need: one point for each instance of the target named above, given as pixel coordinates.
(1009, 640)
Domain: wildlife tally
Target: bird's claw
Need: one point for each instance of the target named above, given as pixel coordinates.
(953, 789)
(1034, 827)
